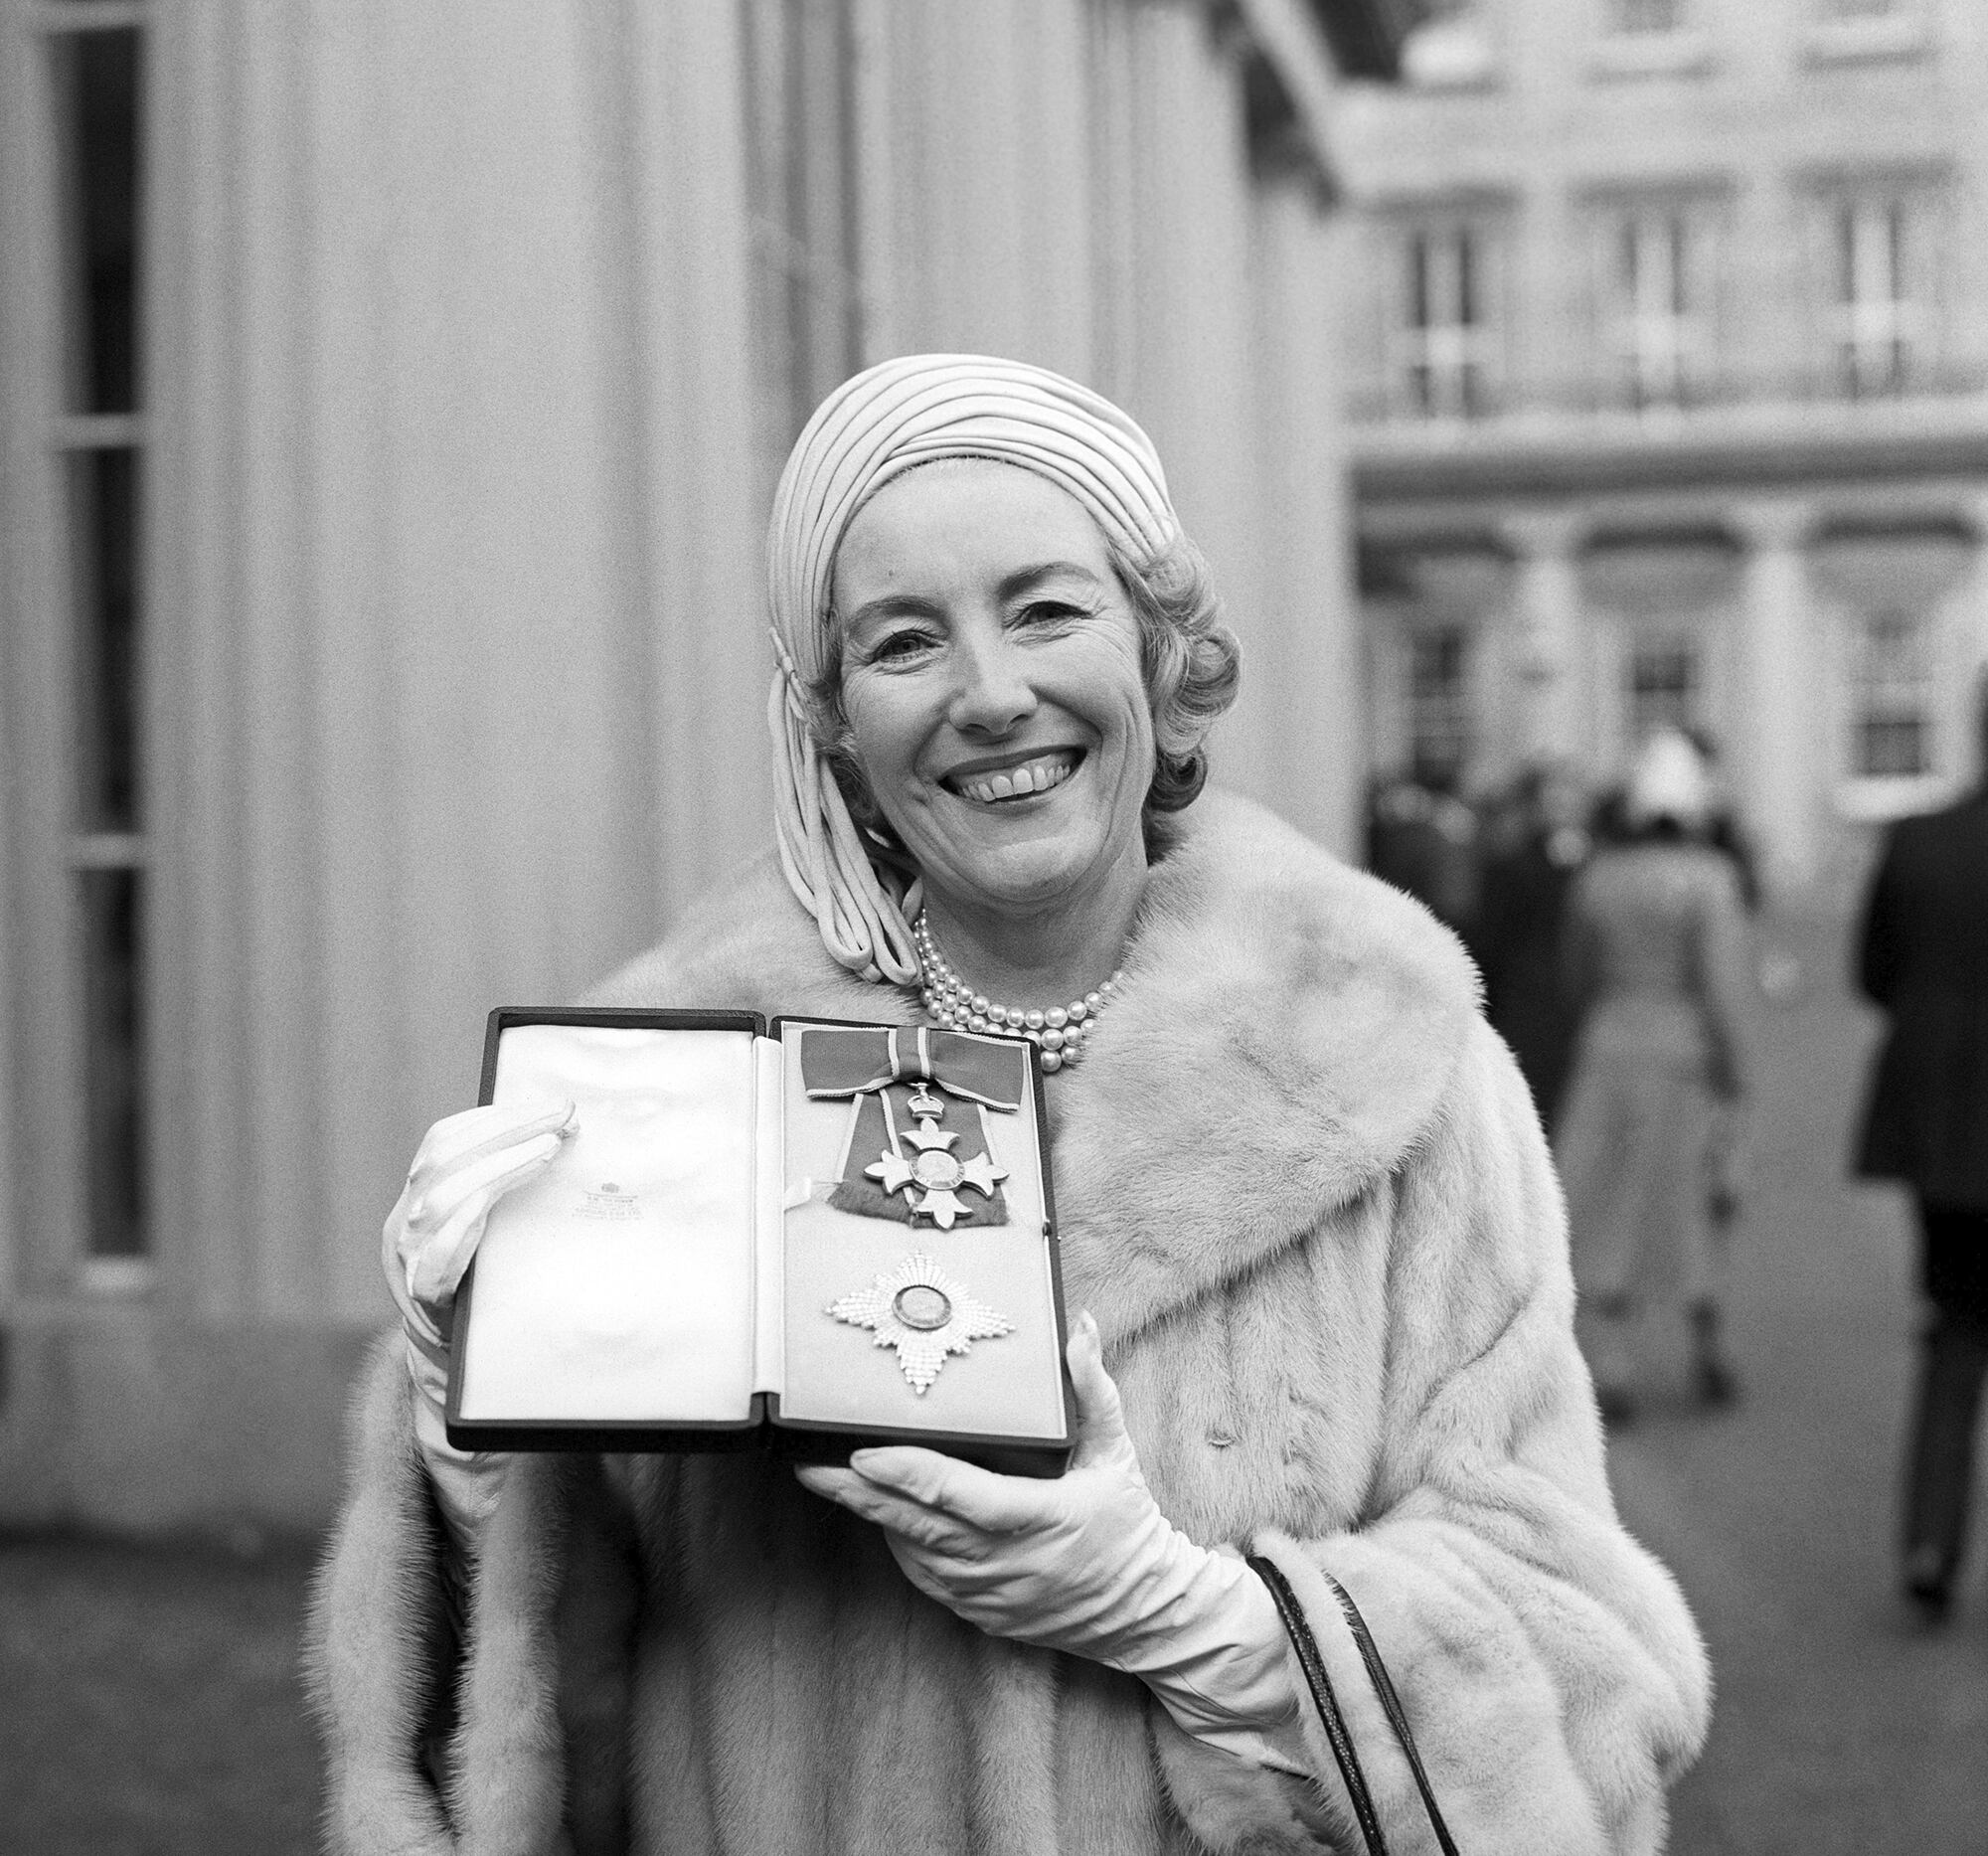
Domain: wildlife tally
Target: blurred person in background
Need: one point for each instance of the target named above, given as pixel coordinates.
(1423, 838)
(1723, 830)
(1922, 960)
(1778, 972)
(1657, 950)
(1536, 845)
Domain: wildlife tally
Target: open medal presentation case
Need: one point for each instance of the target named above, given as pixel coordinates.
(801, 1234)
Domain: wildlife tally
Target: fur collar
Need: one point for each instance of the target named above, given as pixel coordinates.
(1281, 1038)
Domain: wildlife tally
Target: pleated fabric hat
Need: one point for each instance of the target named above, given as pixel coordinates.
(874, 428)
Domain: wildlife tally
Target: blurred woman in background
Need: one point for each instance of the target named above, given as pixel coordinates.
(1647, 1147)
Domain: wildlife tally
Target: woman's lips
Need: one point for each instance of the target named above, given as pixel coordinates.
(1039, 774)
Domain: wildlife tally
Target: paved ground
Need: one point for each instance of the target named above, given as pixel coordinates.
(1840, 1726)
(148, 1702)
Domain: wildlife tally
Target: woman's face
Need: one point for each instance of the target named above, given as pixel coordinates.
(992, 684)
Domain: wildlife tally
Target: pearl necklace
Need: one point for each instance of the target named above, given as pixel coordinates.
(1059, 1032)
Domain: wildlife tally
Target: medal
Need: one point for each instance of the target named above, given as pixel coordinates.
(924, 1314)
(931, 1181)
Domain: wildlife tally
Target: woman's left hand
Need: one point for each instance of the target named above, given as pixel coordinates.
(1087, 1563)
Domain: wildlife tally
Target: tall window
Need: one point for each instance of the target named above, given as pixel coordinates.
(1891, 722)
(800, 74)
(1444, 342)
(1657, 317)
(96, 64)
(1876, 322)
(1663, 686)
(1439, 721)
(1647, 15)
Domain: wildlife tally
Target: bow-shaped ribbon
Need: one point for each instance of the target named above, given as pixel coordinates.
(851, 1060)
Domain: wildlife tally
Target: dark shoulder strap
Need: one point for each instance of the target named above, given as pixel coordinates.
(1391, 1705)
(1340, 1740)
(1320, 1684)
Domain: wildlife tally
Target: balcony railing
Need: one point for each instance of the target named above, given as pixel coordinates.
(1612, 394)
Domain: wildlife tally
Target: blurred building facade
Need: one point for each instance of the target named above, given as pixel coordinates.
(1671, 342)
(390, 402)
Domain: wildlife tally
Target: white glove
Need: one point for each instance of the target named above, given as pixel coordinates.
(1088, 1564)
(467, 1163)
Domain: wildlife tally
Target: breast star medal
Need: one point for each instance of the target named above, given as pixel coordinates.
(923, 1312)
(932, 1180)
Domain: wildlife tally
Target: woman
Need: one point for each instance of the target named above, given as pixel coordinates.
(1648, 1144)
(1302, 1196)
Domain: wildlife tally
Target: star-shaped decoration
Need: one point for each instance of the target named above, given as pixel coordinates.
(924, 1314)
(937, 1175)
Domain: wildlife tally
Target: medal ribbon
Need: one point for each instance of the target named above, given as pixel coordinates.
(858, 1060)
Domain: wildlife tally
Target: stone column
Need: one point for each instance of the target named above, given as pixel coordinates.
(1777, 763)
(1971, 762)
(1553, 720)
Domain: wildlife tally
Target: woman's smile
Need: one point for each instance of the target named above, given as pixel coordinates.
(1007, 780)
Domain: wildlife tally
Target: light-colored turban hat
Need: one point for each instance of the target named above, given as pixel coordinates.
(1668, 781)
(887, 421)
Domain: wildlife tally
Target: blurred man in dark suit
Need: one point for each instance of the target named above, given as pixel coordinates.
(1923, 958)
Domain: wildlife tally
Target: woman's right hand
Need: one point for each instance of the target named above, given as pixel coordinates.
(465, 1163)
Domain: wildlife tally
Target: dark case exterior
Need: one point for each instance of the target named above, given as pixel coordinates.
(794, 1439)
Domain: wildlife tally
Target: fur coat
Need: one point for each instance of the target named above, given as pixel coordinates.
(1302, 1188)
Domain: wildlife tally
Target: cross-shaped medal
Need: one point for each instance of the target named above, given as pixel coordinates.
(934, 1179)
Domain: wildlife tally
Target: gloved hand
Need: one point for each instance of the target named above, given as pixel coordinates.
(465, 1163)
(1087, 1564)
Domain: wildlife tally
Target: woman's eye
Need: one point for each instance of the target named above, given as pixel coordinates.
(900, 647)
(1048, 613)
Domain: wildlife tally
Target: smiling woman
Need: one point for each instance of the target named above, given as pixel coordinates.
(996, 719)
(1303, 1200)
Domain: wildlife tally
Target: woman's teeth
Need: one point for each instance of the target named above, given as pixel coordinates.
(1013, 782)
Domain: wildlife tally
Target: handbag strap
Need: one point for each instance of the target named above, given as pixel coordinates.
(1320, 1684)
(1337, 1737)
(1391, 1705)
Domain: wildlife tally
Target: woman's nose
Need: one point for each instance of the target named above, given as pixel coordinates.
(993, 693)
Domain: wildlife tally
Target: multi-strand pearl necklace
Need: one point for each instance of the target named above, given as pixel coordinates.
(1059, 1032)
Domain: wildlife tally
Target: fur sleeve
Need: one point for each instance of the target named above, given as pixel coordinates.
(530, 1735)
(1552, 1675)
(374, 1631)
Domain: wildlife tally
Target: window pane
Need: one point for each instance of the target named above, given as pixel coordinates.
(1439, 706)
(1657, 328)
(1878, 318)
(1440, 346)
(104, 526)
(1892, 734)
(114, 1061)
(96, 85)
(1649, 15)
(1663, 688)
(1891, 746)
